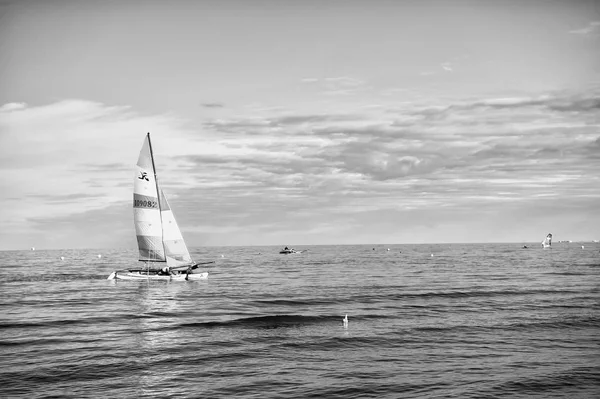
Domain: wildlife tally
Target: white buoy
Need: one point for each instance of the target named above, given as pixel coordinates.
(582, 247)
(346, 321)
(388, 249)
(99, 256)
(62, 258)
(432, 255)
(33, 248)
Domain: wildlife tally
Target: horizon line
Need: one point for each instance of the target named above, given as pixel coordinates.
(313, 245)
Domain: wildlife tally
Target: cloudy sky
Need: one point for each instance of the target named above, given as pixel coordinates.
(301, 123)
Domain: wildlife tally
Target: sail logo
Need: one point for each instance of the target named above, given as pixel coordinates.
(143, 176)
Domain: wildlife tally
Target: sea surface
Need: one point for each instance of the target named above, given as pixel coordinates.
(425, 321)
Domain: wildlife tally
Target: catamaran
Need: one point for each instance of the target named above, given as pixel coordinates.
(160, 243)
(547, 243)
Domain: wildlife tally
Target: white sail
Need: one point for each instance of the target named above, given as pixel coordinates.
(547, 241)
(176, 251)
(146, 207)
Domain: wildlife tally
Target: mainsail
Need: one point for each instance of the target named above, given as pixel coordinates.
(158, 235)
(547, 241)
(146, 207)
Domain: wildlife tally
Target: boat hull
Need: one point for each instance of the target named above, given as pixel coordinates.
(129, 275)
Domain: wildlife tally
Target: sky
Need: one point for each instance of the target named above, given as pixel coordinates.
(301, 123)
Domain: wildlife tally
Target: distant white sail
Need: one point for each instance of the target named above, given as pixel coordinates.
(547, 241)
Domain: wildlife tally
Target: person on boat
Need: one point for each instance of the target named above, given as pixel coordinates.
(164, 271)
(286, 249)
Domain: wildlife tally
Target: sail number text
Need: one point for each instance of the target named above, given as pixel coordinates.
(145, 204)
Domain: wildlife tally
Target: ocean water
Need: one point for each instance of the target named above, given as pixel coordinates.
(425, 321)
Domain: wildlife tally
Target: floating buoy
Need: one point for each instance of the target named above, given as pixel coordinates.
(388, 249)
(99, 256)
(33, 248)
(582, 247)
(432, 255)
(345, 321)
(62, 258)
(222, 256)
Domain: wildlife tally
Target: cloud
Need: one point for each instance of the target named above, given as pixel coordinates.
(549, 102)
(12, 107)
(454, 62)
(476, 139)
(590, 29)
(250, 178)
(340, 85)
(287, 120)
(213, 105)
(70, 157)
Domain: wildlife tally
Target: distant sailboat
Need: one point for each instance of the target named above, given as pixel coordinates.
(547, 243)
(160, 242)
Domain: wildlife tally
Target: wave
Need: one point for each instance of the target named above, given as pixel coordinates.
(570, 380)
(535, 325)
(268, 322)
(378, 295)
(458, 294)
(591, 321)
(292, 302)
(96, 320)
(32, 278)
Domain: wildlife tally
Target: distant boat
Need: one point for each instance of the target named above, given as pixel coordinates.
(287, 250)
(547, 243)
(160, 243)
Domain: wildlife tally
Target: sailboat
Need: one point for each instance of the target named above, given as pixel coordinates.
(547, 243)
(160, 242)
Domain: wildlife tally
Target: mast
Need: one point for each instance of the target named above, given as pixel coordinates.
(162, 241)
